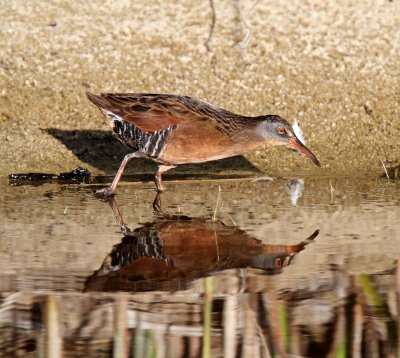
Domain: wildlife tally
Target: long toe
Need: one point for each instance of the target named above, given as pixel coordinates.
(105, 192)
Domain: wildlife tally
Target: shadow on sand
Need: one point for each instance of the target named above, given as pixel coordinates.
(101, 150)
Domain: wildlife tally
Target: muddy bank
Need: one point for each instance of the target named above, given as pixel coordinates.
(331, 64)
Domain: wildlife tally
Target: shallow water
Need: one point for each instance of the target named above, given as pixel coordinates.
(228, 268)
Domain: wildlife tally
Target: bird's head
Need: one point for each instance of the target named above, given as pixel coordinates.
(276, 130)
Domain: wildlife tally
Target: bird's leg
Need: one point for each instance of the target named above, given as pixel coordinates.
(111, 189)
(114, 207)
(158, 179)
(157, 203)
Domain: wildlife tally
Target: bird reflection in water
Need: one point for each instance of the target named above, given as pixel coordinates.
(173, 250)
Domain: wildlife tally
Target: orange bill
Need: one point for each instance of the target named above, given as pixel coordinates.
(296, 144)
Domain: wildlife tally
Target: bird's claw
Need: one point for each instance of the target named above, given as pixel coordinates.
(104, 193)
(125, 230)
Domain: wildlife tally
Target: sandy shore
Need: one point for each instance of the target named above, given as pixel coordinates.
(334, 65)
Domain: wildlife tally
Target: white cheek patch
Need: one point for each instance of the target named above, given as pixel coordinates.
(298, 132)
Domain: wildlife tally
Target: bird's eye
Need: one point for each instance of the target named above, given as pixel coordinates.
(281, 130)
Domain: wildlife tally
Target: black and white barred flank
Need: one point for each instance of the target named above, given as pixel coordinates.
(143, 243)
(148, 143)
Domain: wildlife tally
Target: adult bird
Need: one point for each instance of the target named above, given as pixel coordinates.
(174, 130)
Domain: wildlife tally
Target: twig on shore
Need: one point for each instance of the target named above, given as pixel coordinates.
(384, 167)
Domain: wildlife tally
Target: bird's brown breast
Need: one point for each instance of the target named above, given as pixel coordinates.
(188, 144)
(196, 145)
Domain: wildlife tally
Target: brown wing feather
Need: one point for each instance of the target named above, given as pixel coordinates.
(154, 112)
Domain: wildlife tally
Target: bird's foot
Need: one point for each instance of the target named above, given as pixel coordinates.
(157, 202)
(125, 230)
(263, 177)
(105, 193)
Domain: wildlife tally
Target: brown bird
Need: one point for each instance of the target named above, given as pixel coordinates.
(174, 130)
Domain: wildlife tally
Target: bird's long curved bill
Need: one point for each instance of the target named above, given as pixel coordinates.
(296, 144)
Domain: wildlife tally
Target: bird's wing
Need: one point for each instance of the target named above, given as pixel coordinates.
(155, 112)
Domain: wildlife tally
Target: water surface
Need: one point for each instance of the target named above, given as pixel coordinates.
(228, 268)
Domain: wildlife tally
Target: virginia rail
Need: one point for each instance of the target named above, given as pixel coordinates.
(174, 130)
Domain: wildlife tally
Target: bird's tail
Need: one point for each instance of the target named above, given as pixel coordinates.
(99, 101)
